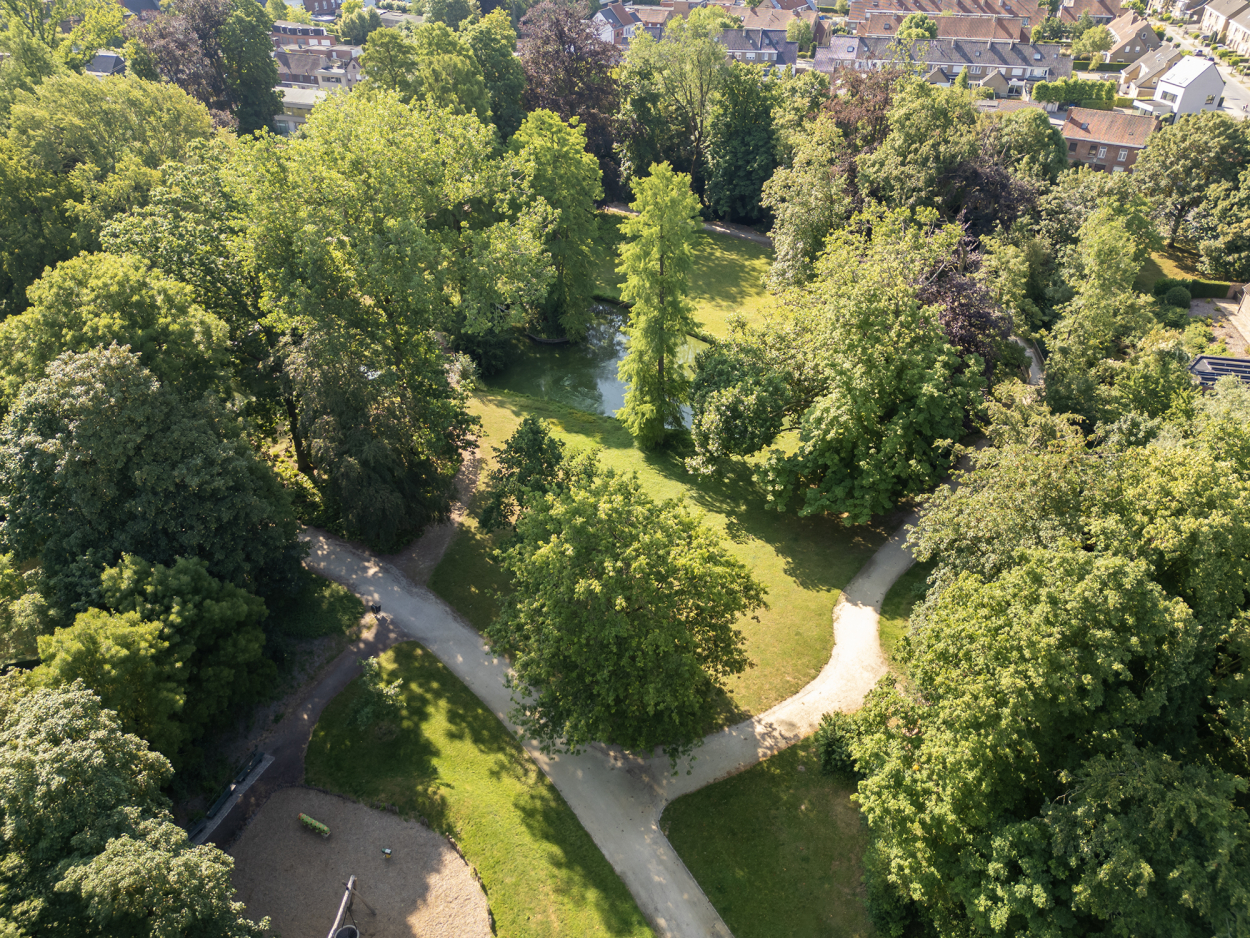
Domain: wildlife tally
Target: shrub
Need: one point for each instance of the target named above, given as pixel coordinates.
(833, 744)
(1178, 296)
(378, 701)
(1174, 317)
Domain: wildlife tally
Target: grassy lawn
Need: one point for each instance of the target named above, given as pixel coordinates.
(804, 562)
(777, 850)
(1178, 262)
(727, 278)
(896, 609)
(449, 760)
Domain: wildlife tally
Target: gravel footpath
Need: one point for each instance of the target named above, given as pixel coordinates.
(296, 877)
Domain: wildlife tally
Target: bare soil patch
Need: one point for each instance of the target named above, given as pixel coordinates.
(296, 877)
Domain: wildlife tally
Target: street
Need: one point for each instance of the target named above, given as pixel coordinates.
(1236, 89)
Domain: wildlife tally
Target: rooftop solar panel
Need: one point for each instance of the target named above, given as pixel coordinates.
(1210, 368)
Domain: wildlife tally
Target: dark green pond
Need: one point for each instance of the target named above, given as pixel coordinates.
(578, 374)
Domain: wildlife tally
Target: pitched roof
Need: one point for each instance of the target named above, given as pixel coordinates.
(1210, 368)
(1006, 105)
(141, 6)
(1126, 130)
(763, 17)
(1154, 62)
(840, 49)
(791, 4)
(1131, 25)
(618, 15)
(652, 16)
(1227, 8)
(1187, 70)
(992, 54)
(106, 63)
(860, 9)
(1071, 10)
(884, 23)
(299, 63)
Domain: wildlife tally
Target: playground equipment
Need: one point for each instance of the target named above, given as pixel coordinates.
(314, 825)
(338, 929)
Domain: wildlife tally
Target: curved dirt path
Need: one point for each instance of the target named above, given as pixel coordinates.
(617, 796)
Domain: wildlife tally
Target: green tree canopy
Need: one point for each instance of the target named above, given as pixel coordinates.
(557, 167)
(931, 132)
(357, 27)
(743, 142)
(493, 41)
(97, 299)
(89, 847)
(622, 618)
(656, 261)
(434, 65)
(1221, 226)
(1092, 42)
(917, 26)
(800, 31)
(250, 71)
(79, 150)
(1183, 160)
(95, 24)
(1025, 142)
(98, 459)
(452, 13)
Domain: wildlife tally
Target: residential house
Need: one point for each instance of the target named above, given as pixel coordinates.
(653, 19)
(286, 34)
(1102, 12)
(1189, 86)
(139, 7)
(323, 9)
(1217, 13)
(1009, 28)
(393, 20)
(105, 64)
(339, 75)
(1131, 37)
(297, 105)
(1238, 34)
(1008, 68)
(1208, 369)
(615, 23)
(1109, 141)
(758, 47)
(792, 4)
(1021, 9)
(1141, 78)
(778, 21)
(299, 69)
(1184, 10)
(842, 52)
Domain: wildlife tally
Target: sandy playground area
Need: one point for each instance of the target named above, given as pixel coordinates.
(296, 877)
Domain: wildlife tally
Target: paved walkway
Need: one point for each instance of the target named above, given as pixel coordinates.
(729, 229)
(618, 796)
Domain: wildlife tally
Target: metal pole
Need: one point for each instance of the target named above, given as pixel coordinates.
(343, 906)
(351, 887)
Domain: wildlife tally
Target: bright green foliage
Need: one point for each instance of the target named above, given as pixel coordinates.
(1073, 90)
(1027, 681)
(357, 27)
(918, 26)
(656, 262)
(621, 619)
(869, 379)
(808, 200)
(435, 65)
(1093, 42)
(119, 657)
(23, 612)
(801, 98)
(493, 41)
(1027, 143)
(451, 12)
(413, 233)
(931, 131)
(679, 76)
(97, 299)
(27, 64)
(250, 70)
(553, 157)
(800, 31)
(1185, 159)
(1221, 226)
(527, 464)
(1051, 29)
(212, 630)
(742, 142)
(89, 848)
(141, 470)
(79, 150)
(96, 24)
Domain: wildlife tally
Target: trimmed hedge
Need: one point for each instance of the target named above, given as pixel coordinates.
(1198, 289)
(1123, 102)
(1097, 104)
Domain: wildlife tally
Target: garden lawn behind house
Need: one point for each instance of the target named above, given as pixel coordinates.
(804, 562)
(1177, 262)
(728, 275)
(777, 850)
(447, 758)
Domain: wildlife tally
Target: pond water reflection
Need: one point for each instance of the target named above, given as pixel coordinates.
(577, 374)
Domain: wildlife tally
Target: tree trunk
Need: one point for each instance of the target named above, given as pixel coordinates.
(302, 462)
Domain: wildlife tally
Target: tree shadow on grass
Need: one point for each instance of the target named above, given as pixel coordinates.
(720, 275)
(583, 875)
(819, 553)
